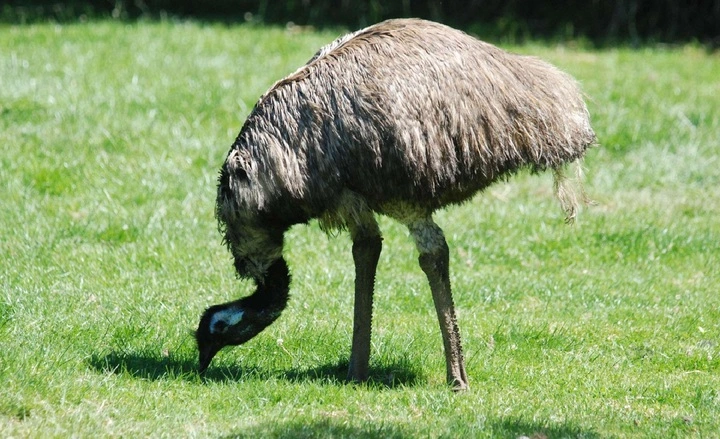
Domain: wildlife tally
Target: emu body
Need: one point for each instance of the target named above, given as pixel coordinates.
(400, 119)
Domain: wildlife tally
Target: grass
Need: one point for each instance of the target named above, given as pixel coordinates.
(111, 136)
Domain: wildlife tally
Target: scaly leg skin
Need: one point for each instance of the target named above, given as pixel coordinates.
(367, 244)
(434, 261)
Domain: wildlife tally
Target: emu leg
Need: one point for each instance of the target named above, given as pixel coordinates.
(367, 244)
(434, 261)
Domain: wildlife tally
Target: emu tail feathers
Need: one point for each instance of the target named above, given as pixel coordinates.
(570, 191)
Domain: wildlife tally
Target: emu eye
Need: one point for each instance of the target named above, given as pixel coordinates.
(219, 327)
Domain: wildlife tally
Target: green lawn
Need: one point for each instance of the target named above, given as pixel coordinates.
(111, 137)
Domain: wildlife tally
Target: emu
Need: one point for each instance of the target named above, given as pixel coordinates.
(399, 119)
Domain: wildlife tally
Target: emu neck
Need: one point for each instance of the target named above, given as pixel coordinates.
(272, 293)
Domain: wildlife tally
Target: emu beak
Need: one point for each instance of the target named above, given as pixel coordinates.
(207, 353)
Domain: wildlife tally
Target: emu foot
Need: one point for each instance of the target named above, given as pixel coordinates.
(456, 376)
(458, 385)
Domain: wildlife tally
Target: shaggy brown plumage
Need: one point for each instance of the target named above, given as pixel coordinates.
(401, 119)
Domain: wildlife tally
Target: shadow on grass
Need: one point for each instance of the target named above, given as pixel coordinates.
(154, 367)
(393, 375)
(339, 427)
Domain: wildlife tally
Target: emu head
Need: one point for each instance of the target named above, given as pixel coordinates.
(234, 323)
(225, 325)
